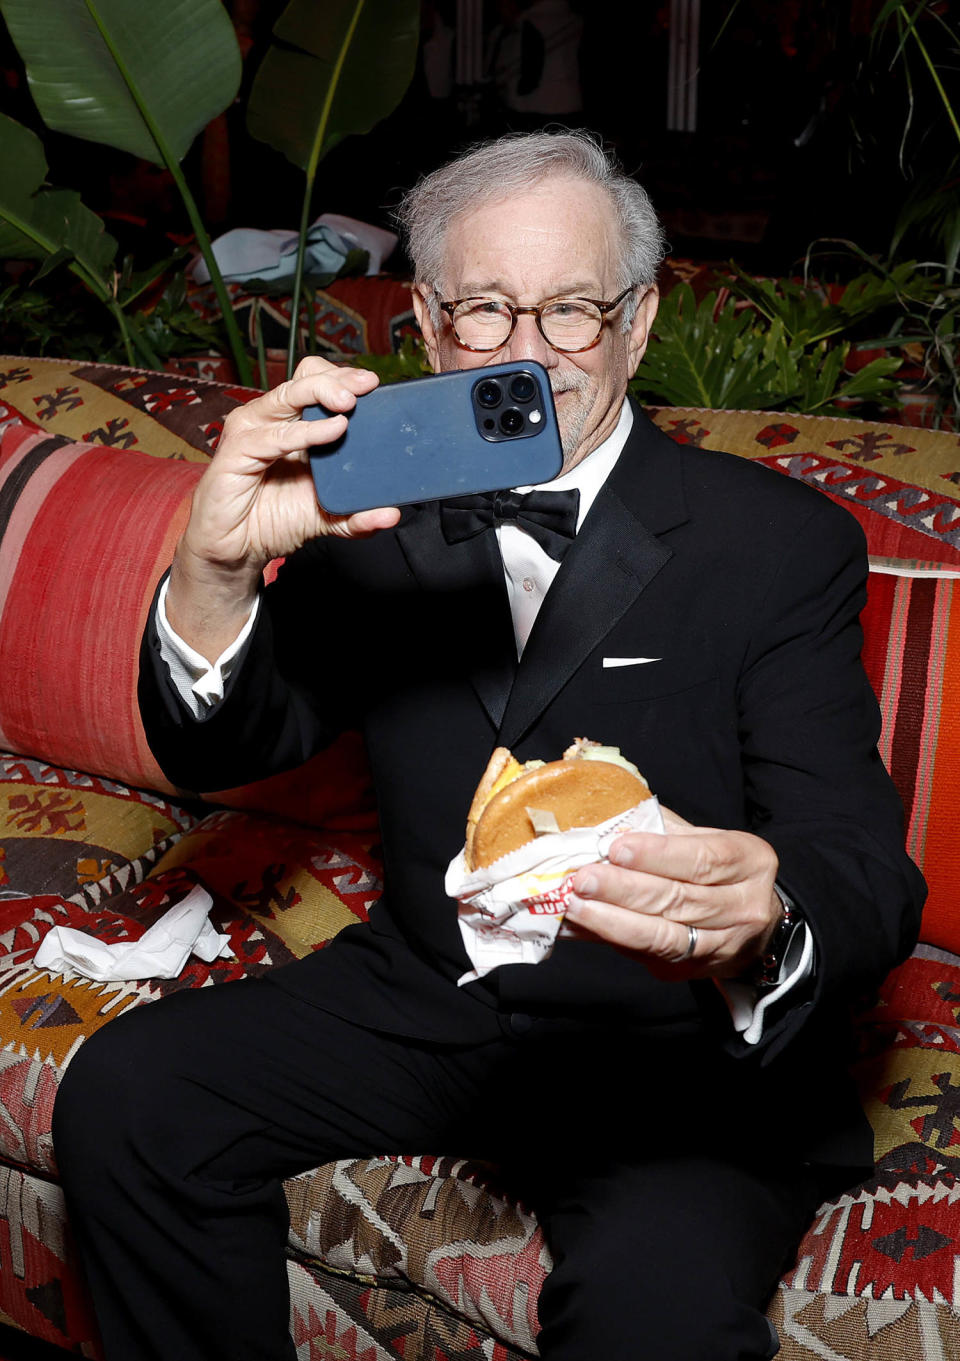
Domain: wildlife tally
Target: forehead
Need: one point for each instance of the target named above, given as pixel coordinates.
(556, 236)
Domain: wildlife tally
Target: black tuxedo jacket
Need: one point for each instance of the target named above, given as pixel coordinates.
(740, 590)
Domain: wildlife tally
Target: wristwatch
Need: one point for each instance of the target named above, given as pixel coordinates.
(766, 971)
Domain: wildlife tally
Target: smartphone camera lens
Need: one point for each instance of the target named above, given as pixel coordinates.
(511, 422)
(488, 393)
(523, 388)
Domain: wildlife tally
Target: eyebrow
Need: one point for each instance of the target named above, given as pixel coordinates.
(573, 290)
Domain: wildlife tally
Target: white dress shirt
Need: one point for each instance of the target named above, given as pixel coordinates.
(529, 572)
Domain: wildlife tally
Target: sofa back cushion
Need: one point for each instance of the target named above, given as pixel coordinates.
(88, 524)
(87, 531)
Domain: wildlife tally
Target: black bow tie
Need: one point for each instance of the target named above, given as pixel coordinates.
(549, 517)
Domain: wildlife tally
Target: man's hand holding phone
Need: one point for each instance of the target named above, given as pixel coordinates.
(256, 501)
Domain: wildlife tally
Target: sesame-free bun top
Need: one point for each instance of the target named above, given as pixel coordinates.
(577, 792)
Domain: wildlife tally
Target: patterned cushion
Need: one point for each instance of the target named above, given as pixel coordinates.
(41, 1289)
(880, 1261)
(440, 1222)
(332, 1315)
(279, 890)
(62, 831)
(87, 531)
(903, 485)
(912, 656)
(350, 316)
(163, 415)
(73, 604)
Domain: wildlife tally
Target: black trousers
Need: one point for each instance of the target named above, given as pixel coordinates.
(668, 1220)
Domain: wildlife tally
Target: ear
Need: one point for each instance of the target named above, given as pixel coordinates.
(427, 329)
(640, 330)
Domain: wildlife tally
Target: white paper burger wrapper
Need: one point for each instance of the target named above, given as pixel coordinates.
(511, 912)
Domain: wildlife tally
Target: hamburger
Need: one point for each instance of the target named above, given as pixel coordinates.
(516, 802)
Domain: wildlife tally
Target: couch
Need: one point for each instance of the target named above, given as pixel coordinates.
(416, 1254)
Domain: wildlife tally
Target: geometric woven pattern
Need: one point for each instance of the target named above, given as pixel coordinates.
(903, 485)
(161, 415)
(278, 892)
(433, 1221)
(881, 1261)
(349, 317)
(421, 1258)
(341, 1317)
(63, 830)
(40, 1289)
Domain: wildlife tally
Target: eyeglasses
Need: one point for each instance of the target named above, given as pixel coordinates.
(566, 324)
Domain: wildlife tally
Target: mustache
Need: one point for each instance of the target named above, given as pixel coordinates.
(578, 382)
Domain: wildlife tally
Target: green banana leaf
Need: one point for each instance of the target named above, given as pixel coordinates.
(336, 68)
(138, 75)
(38, 222)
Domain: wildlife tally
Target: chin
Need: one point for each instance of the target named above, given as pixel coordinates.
(571, 436)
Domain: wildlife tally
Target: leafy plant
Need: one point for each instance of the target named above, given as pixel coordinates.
(410, 361)
(174, 328)
(40, 222)
(903, 18)
(147, 78)
(920, 321)
(138, 77)
(722, 354)
(334, 69)
(810, 312)
(36, 320)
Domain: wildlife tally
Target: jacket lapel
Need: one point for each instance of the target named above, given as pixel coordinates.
(616, 554)
(470, 576)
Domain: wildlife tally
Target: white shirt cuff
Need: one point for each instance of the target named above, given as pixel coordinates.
(748, 1005)
(199, 683)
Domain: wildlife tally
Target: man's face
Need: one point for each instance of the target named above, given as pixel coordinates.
(557, 240)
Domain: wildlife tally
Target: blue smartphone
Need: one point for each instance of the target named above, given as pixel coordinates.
(452, 434)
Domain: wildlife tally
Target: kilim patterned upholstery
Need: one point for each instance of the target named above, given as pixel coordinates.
(421, 1256)
(349, 317)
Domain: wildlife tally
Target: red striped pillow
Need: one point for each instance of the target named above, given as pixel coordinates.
(86, 531)
(912, 656)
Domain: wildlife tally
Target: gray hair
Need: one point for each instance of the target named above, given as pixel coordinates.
(491, 171)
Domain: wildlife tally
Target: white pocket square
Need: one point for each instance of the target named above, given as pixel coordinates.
(630, 661)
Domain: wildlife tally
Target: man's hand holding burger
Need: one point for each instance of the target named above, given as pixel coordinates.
(256, 501)
(654, 887)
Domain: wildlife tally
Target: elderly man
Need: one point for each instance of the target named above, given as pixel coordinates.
(667, 1089)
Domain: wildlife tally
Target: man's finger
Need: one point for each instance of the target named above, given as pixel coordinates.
(699, 856)
(647, 934)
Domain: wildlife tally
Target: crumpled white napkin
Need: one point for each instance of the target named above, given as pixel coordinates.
(161, 952)
(511, 912)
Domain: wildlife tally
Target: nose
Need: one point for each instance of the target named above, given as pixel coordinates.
(527, 343)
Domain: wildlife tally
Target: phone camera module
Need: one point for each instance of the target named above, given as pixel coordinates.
(489, 393)
(511, 422)
(523, 388)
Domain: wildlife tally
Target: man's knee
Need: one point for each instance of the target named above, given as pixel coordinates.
(626, 1315)
(117, 1083)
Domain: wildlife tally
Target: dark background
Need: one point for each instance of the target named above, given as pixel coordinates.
(798, 133)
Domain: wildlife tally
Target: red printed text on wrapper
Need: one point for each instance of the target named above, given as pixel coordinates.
(553, 903)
